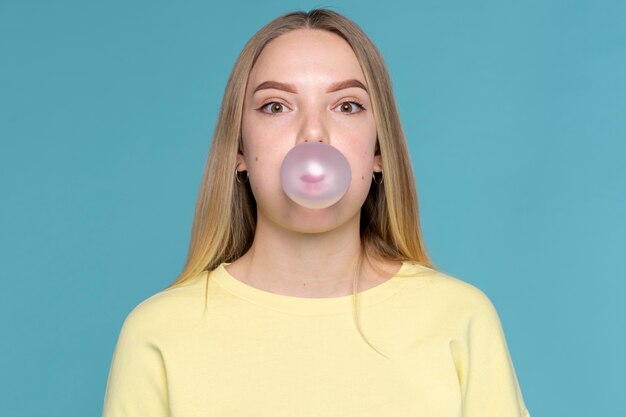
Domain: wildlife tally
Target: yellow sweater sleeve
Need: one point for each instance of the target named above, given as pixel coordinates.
(488, 381)
(137, 385)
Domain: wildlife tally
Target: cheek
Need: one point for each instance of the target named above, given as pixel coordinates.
(364, 167)
(264, 178)
(360, 148)
(263, 163)
(263, 142)
(257, 149)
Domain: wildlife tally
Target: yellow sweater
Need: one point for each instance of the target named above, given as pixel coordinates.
(253, 353)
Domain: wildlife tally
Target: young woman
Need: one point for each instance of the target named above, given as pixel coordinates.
(285, 310)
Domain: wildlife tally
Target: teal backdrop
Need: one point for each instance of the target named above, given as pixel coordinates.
(515, 116)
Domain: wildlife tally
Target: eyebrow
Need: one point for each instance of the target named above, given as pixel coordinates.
(346, 84)
(290, 88)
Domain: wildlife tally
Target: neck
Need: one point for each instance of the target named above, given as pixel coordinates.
(302, 264)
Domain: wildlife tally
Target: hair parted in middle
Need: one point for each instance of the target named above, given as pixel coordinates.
(225, 217)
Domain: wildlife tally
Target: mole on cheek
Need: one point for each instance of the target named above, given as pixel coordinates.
(256, 158)
(362, 177)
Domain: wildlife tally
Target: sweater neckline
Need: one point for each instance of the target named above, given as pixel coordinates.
(305, 305)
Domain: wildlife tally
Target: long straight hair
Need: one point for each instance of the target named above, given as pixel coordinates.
(225, 216)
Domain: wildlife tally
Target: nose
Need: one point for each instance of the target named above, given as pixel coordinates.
(313, 127)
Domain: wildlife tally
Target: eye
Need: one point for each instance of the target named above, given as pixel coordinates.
(350, 107)
(273, 107)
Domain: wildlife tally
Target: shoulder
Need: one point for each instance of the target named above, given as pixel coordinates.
(168, 308)
(445, 292)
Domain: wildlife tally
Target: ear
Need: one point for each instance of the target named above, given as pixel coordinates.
(378, 161)
(241, 163)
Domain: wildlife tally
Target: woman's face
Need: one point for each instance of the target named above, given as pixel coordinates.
(307, 86)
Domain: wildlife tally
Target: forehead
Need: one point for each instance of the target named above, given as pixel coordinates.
(306, 55)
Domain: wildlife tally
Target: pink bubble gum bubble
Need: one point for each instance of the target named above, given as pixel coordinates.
(315, 175)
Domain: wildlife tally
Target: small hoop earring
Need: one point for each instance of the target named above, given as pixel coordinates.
(238, 177)
(374, 178)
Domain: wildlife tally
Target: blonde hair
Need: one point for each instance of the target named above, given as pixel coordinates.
(225, 217)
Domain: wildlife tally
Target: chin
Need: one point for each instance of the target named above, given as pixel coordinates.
(288, 215)
(316, 221)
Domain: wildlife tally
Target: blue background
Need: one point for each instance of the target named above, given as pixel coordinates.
(515, 117)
